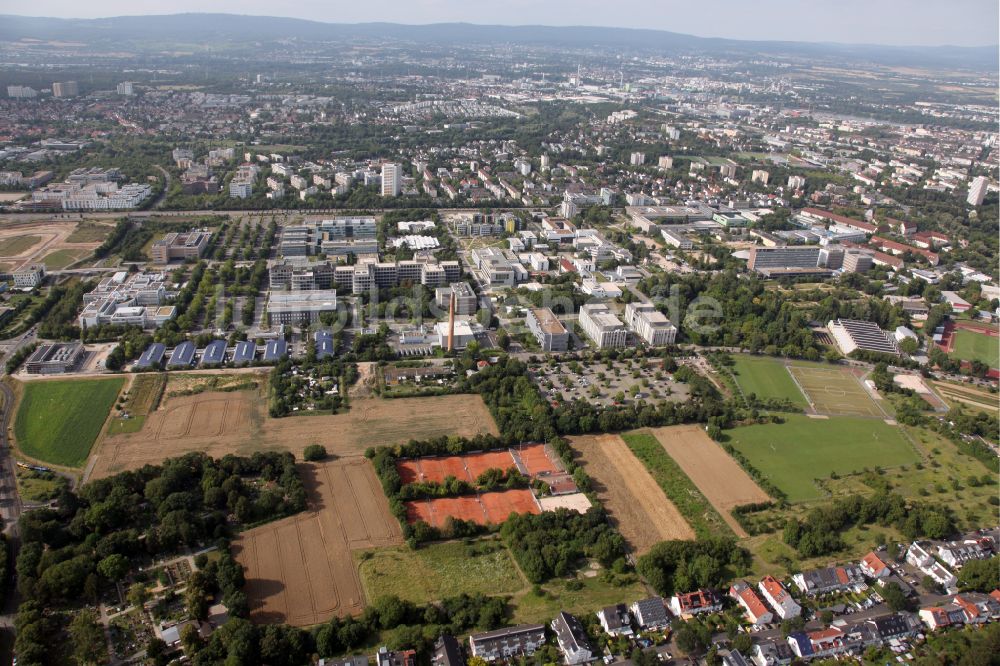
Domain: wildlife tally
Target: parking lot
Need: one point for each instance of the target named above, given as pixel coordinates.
(607, 383)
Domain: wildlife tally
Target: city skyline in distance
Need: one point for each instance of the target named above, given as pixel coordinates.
(855, 22)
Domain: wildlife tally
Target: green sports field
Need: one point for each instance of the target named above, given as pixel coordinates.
(58, 421)
(972, 346)
(794, 453)
(767, 378)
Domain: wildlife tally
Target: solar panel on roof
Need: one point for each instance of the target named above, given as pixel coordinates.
(153, 354)
(275, 349)
(244, 352)
(182, 356)
(324, 344)
(215, 352)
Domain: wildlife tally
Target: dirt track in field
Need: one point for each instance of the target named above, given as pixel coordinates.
(720, 479)
(632, 497)
(219, 423)
(300, 570)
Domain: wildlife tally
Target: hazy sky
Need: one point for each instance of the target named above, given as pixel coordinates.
(911, 22)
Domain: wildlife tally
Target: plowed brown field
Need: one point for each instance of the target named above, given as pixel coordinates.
(635, 502)
(300, 570)
(722, 481)
(219, 423)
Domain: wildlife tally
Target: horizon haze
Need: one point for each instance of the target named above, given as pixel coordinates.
(968, 23)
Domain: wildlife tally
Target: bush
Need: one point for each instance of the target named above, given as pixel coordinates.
(314, 452)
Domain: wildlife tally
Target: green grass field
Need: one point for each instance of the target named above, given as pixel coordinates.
(60, 259)
(14, 246)
(834, 390)
(767, 378)
(90, 233)
(972, 346)
(795, 453)
(440, 570)
(58, 421)
(697, 511)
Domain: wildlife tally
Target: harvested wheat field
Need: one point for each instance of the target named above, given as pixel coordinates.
(300, 570)
(218, 423)
(722, 481)
(633, 499)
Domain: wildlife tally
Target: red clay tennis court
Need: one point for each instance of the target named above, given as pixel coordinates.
(535, 460)
(477, 463)
(432, 469)
(500, 505)
(485, 508)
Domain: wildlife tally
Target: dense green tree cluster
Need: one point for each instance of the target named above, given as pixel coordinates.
(554, 542)
(980, 575)
(683, 566)
(96, 536)
(819, 533)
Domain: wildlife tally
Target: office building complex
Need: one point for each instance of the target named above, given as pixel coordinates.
(55, 358)
(547, 329)
(650, 324)
(300, 275)
(183, 246)
(300, 308)
(466, 302)
(29, 276)
(602, 326)
(127, 299)
(762, 258)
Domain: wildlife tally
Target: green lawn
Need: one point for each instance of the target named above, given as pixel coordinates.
(58, 421)
(767, 378)
(439, 570)
(15, 245)
(972, 346)
(794, 453)
(60, 259)
(697, 511)
(593, 594)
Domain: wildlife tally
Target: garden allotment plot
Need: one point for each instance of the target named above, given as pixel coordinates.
(835, 391)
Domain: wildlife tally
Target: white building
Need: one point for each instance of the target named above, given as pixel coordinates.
(665, 162)
(392, 180)
(29, 276)
(977, 191)
(760, 176)
(125, 88)
(637, 159)
(602, 326)
(650, 324)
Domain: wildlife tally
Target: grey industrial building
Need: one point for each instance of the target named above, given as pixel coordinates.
(55, 359)
(547, 329)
